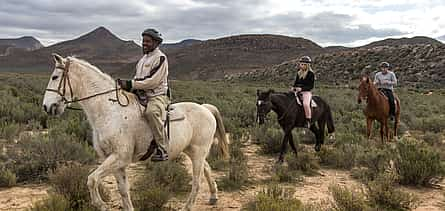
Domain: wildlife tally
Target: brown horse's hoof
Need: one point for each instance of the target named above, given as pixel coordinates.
(213, 201)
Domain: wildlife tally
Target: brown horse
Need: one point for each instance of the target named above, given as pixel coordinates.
(377, 108)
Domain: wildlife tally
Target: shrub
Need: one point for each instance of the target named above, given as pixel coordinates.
(284, 174)
(54, 202)
(417, 163)
(383, 194)
(274, 197)
(36, 155)
(70, 181)
(9, 130)
(305, 162)
(7, 178)
(157, 185)
(343, 156)
(348, 200)
(269, 138)
(238, 173)
(375, 161)
(150, 196)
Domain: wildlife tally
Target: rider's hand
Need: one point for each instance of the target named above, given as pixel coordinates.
(297, 89)
(125, 84)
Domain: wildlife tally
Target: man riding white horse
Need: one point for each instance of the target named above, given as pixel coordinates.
(151, 87)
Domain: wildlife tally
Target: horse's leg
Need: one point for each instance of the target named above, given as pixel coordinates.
(283, 148)
(212, 184)
(382, 126)
(369, 122)
(197, 156)
(396, 120)
(123, 187)
(321, 131)
(292, 144)
(316, 132)
(386, 130)
(110, 165)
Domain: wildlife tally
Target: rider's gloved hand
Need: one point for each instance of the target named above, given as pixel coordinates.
(125, 84)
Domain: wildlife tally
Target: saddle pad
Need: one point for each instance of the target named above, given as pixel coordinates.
(174, 114)
(313, 104)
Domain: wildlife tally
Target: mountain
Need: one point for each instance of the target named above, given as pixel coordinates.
(416, 65)
(26, 43)
(212, 59)
(99, 47)
(181, 44)
(403, 41)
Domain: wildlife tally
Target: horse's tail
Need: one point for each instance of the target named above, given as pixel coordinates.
(330, 121)
(223, 142)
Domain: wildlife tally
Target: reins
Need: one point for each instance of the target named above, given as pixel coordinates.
(61, 90)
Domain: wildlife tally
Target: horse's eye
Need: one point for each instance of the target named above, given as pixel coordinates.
(54, 77)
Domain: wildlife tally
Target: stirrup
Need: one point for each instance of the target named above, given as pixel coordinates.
(160, 155)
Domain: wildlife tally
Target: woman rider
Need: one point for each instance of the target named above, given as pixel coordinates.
(304, 83)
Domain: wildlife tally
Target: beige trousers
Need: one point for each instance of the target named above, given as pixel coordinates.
(155, 113)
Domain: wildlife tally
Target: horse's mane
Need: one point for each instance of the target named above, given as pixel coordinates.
(91, 67)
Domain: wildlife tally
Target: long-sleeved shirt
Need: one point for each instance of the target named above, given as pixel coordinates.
(151, 74)
(385, 81)
(306, 84)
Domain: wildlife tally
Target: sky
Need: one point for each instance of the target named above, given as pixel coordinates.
(326, 22)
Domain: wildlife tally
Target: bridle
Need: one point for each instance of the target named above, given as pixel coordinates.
(65, 80)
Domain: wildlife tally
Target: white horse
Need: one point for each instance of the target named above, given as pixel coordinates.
(120, 133)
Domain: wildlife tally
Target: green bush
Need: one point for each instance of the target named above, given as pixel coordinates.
(9, 131)
(274, 197)
(282, 173)
(384, 195)
(150, 196)
(70, 181)
(7, 178)
(343, 156)
(269, 138)
(348, 200)
(159, 183)
(54, 202)
(417, 163)
(238, 173)
(35, 155)
(373, 161)
(305, 162)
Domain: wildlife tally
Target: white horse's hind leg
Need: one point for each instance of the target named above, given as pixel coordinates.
(212, 184)
(123, 186)
(198, 158)
(110, 165)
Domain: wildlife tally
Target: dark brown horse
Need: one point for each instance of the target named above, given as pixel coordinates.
(377, 108)
(291, 115)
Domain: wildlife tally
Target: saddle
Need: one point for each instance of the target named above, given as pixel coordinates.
(299, 99)
(172, 114)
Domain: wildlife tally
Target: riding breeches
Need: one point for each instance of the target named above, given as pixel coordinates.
(307, 96)
(154, 113)
(392, 107)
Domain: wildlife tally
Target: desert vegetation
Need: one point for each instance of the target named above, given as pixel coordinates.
(36, 148)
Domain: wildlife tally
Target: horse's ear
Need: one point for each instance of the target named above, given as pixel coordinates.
(257, 92)
(271, 91)
(367, 80)
(58, 59)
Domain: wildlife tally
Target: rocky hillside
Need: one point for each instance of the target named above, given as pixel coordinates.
(100, 47)
(421, 65)
(26, 43)
(215, 58)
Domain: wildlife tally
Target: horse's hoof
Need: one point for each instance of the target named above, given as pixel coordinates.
(213, 201)
(317, 148)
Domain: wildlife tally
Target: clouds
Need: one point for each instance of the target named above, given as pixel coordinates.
(324, 21)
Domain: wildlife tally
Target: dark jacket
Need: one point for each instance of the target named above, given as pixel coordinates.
(306, 84)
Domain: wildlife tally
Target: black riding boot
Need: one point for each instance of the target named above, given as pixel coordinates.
(160, 155)
(308, 123)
